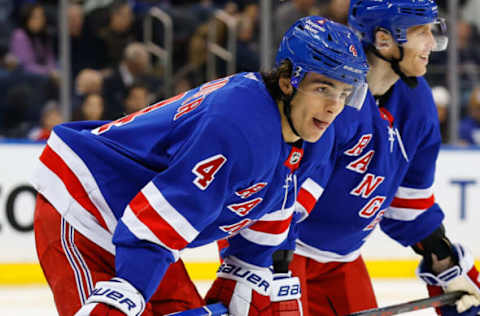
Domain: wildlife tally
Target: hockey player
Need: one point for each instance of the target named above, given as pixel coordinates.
(383, 174)
(118, 200)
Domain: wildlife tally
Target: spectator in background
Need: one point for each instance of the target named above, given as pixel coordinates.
(288, 12)
(31, 43)
(16, 121)
(82, 43)
(441, 96)
(50, 116)
(336, 10)
(247, 49)
(470, 126)
(138, 97)
(135, 66)
(469, 61)
(88, 81)
(91, 109)
(470, 12)
(117, 34)
(182, 84)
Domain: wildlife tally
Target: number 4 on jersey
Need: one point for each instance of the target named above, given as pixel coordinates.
(206, 169)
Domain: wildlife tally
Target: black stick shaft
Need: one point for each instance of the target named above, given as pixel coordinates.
(435, 301)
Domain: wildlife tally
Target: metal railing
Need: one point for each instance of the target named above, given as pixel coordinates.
(164, 54)
(215, 49)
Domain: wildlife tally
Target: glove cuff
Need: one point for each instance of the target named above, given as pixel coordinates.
(465, 263)
(257, 278)
(285, 287)
(120, 294)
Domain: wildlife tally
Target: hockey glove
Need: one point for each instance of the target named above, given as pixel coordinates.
(245, 289)
(116, 297)
(286, 295)
(461, 277)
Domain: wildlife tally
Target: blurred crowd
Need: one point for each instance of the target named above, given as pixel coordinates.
(114, 73)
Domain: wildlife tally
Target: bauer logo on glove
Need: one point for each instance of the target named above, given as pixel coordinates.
(239, 272)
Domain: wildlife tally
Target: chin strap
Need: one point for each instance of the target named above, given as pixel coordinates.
(412, 82)
(287, 109)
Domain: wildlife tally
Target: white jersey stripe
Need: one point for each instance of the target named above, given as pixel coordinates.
(279, 215)
(324, 256)
(264, 239)
(85, 177)
(70, 209)
(141, 231)
(411, 193)
(181, 225)
(313, 188)
(403, 214)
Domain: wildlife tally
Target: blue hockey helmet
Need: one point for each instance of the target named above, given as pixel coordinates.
(396, 16)
(325, 47)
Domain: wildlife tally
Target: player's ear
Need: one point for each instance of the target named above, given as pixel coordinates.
(383, 39)
(285, 85)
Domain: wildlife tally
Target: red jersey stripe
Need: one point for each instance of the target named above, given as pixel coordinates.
(306, 199)
(272, 227)
(56, 164)
(159, 227)
(416, 204)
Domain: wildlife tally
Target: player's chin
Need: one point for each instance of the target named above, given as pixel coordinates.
(419, 69)
(313, 137)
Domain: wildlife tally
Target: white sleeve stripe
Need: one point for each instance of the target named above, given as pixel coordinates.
(410, 193)
(84, 176)
(141, 231)
(264, 239)
(403, 214)
(313, 188)
(165, 210)
(83, 221)
(279, 215)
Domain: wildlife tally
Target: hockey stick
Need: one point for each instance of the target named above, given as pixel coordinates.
(435, 301)
(217, 309)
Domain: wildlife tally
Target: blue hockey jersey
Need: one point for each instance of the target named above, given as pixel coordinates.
(198, 167)
(383, 172)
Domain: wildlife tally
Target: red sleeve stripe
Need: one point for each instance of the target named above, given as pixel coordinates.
(174, 218)
(306, 200)
(157, 224)
(272, 227)
(308, 194)
(73, 185)
(415, 204)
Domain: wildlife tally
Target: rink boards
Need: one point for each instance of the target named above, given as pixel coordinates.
(457, 190)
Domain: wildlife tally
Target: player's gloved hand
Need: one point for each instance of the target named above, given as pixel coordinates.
(461, 277)
(243, 288)
(285, 295)
(116, 297)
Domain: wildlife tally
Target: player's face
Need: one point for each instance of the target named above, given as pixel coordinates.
(417, 49)
(317, 102)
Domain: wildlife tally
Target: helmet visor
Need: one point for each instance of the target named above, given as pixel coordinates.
(357, 97)
(439, 31)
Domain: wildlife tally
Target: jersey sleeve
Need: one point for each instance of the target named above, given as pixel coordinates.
(413, 213)
(175, 206)
(257, 243)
